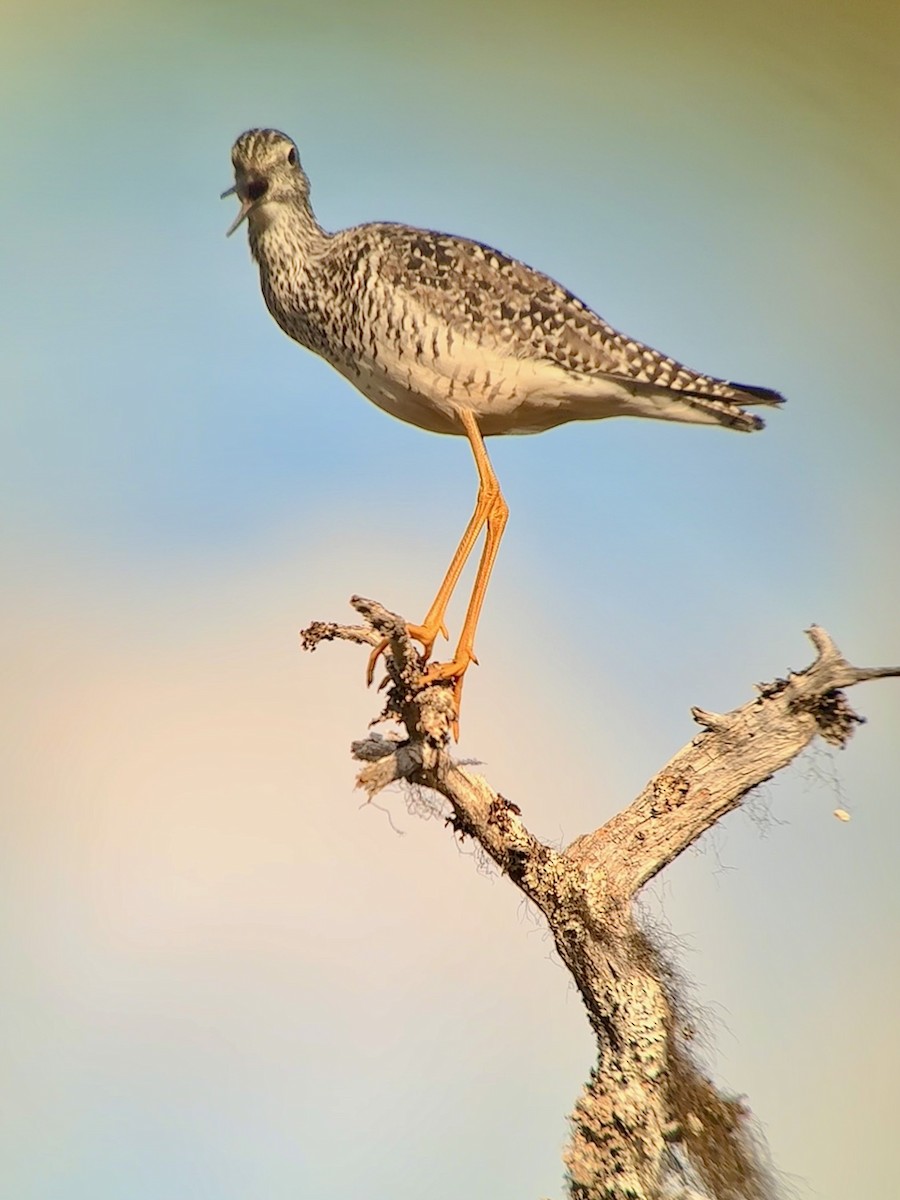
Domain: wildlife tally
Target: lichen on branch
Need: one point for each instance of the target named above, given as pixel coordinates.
(649, 1124)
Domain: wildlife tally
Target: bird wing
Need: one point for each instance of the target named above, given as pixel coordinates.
(492, 298)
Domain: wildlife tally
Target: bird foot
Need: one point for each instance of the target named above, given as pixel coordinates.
(452, 672)
(438, 672)
(424, 634)
(448, 672)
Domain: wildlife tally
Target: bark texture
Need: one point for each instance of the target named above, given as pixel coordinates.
(649, 1125)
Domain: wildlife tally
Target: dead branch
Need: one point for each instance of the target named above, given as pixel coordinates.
(712, 774)
(649, 1124)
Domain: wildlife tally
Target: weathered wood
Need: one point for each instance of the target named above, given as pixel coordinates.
(649, 1124)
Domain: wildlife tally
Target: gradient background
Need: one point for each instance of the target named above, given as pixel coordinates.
(223, 979)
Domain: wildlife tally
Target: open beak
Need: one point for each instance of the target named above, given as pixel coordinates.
(246, 205)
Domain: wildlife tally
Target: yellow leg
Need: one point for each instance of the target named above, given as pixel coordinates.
(488, 490)
(490, 510)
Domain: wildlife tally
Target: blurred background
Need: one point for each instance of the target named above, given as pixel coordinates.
(221, 976)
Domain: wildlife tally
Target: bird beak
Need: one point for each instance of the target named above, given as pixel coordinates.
(246, 205)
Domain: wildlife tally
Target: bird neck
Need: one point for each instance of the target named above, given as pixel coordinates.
(285, 231)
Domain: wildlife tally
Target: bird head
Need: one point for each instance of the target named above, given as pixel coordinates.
(267, 172)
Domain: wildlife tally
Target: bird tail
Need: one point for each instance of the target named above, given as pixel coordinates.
(723, 405)
(704, 402)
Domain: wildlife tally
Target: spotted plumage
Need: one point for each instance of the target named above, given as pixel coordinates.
(425, 324)
(455, 337)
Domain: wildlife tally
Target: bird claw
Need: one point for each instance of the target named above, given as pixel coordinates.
(419, 633)
(440, 672)
(448, 672)
(373, 661)
(453, 673)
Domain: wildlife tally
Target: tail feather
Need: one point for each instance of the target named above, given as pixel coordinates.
(751, 393)
(690, 398)
(705, 401)
(722, 403)
(719, 412)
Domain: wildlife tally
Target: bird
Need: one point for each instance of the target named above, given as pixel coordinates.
(455, 337)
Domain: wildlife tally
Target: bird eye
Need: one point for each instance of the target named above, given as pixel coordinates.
(257, 188)
(292, 156)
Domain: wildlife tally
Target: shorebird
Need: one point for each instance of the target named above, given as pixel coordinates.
(458, 338)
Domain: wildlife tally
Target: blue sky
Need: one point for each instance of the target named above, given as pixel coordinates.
(217, 963)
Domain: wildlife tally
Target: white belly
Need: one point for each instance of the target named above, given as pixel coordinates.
(507, 395)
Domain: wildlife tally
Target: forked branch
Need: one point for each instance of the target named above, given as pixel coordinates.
(649, 1124)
